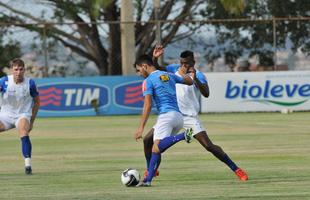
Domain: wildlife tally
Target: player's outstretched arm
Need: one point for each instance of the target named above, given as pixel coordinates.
(157, 52)
(147, 106)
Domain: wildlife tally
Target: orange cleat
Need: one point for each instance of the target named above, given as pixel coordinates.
(241, 174)
(146, 173)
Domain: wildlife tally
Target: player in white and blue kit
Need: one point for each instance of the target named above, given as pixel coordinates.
(188, 102)
(19, 106)
(160, 86)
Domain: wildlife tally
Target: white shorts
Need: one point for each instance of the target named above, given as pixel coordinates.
(194, 123)
(10, 122)
(167, 124)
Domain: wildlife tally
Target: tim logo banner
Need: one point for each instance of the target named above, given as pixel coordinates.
(72, 97)
(90, 96)
(129, 95)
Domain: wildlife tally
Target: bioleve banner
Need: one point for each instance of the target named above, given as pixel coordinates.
(260, 91)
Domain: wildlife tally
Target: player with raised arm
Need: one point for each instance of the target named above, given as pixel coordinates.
(160, 86)
(19, 107)
(188, 102)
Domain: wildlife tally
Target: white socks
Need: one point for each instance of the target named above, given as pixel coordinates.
(27, 162)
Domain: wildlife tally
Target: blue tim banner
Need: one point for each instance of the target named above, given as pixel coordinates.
(129, 95)
(71, 96)
(88, 96)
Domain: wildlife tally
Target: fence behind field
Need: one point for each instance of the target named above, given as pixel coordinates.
(216, 49)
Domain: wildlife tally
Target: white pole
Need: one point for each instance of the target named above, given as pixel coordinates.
(127, 37)
(156, 4)
(274, 44)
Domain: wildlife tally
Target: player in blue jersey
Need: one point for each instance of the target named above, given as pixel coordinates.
(19, 106)
(188, 102)
(160, 86)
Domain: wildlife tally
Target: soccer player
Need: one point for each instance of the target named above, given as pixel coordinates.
(19, 107)
(188, 102)
(160, 86)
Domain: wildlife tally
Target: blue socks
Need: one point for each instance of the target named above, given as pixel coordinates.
(26, 146)
(163, 145)
(167, 142)
(230, 163)
(153, 166)
(148, 160)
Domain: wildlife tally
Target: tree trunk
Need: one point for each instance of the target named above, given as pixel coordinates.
(115, 61)
(102, 65)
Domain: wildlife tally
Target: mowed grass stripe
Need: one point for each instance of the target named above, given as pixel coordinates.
(82, 158)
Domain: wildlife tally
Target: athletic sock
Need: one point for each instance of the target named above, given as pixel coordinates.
(230, 163)
(158, 162)
(148, 160)
(169, 141)
(27, 162)
(152, 168)
(26, 146)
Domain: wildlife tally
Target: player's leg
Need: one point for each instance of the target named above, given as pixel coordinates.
(201, 135)
(153, 165)
(218, 152)
(167, 142)
(6, 122)
(159, 146)
(163, 140)
(23, 127)
(2, 127)
(170, 123)
(157, 149)
(148, 144)
(165, 124)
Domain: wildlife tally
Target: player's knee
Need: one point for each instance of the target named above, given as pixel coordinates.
(209, 148)
(155, 148)
(148, 139)
(2, 127)
(23, 133)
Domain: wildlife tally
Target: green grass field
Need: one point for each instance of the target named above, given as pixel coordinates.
(82, 158)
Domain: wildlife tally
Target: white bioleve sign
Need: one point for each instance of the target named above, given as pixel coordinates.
(257, 91)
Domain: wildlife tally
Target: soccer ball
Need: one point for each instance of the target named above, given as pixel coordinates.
(130, 177)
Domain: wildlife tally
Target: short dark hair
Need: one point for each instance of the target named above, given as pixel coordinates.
(186, 54)
(17, 62)
(144, 59)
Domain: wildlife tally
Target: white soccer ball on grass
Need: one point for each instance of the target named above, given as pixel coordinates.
(130, 177)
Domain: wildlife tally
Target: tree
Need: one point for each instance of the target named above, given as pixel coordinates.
(258, 39)
(8, 51)
(91, 28)
(85, 37)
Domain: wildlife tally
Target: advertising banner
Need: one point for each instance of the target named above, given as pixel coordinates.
(257, 91)
(87, 96)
